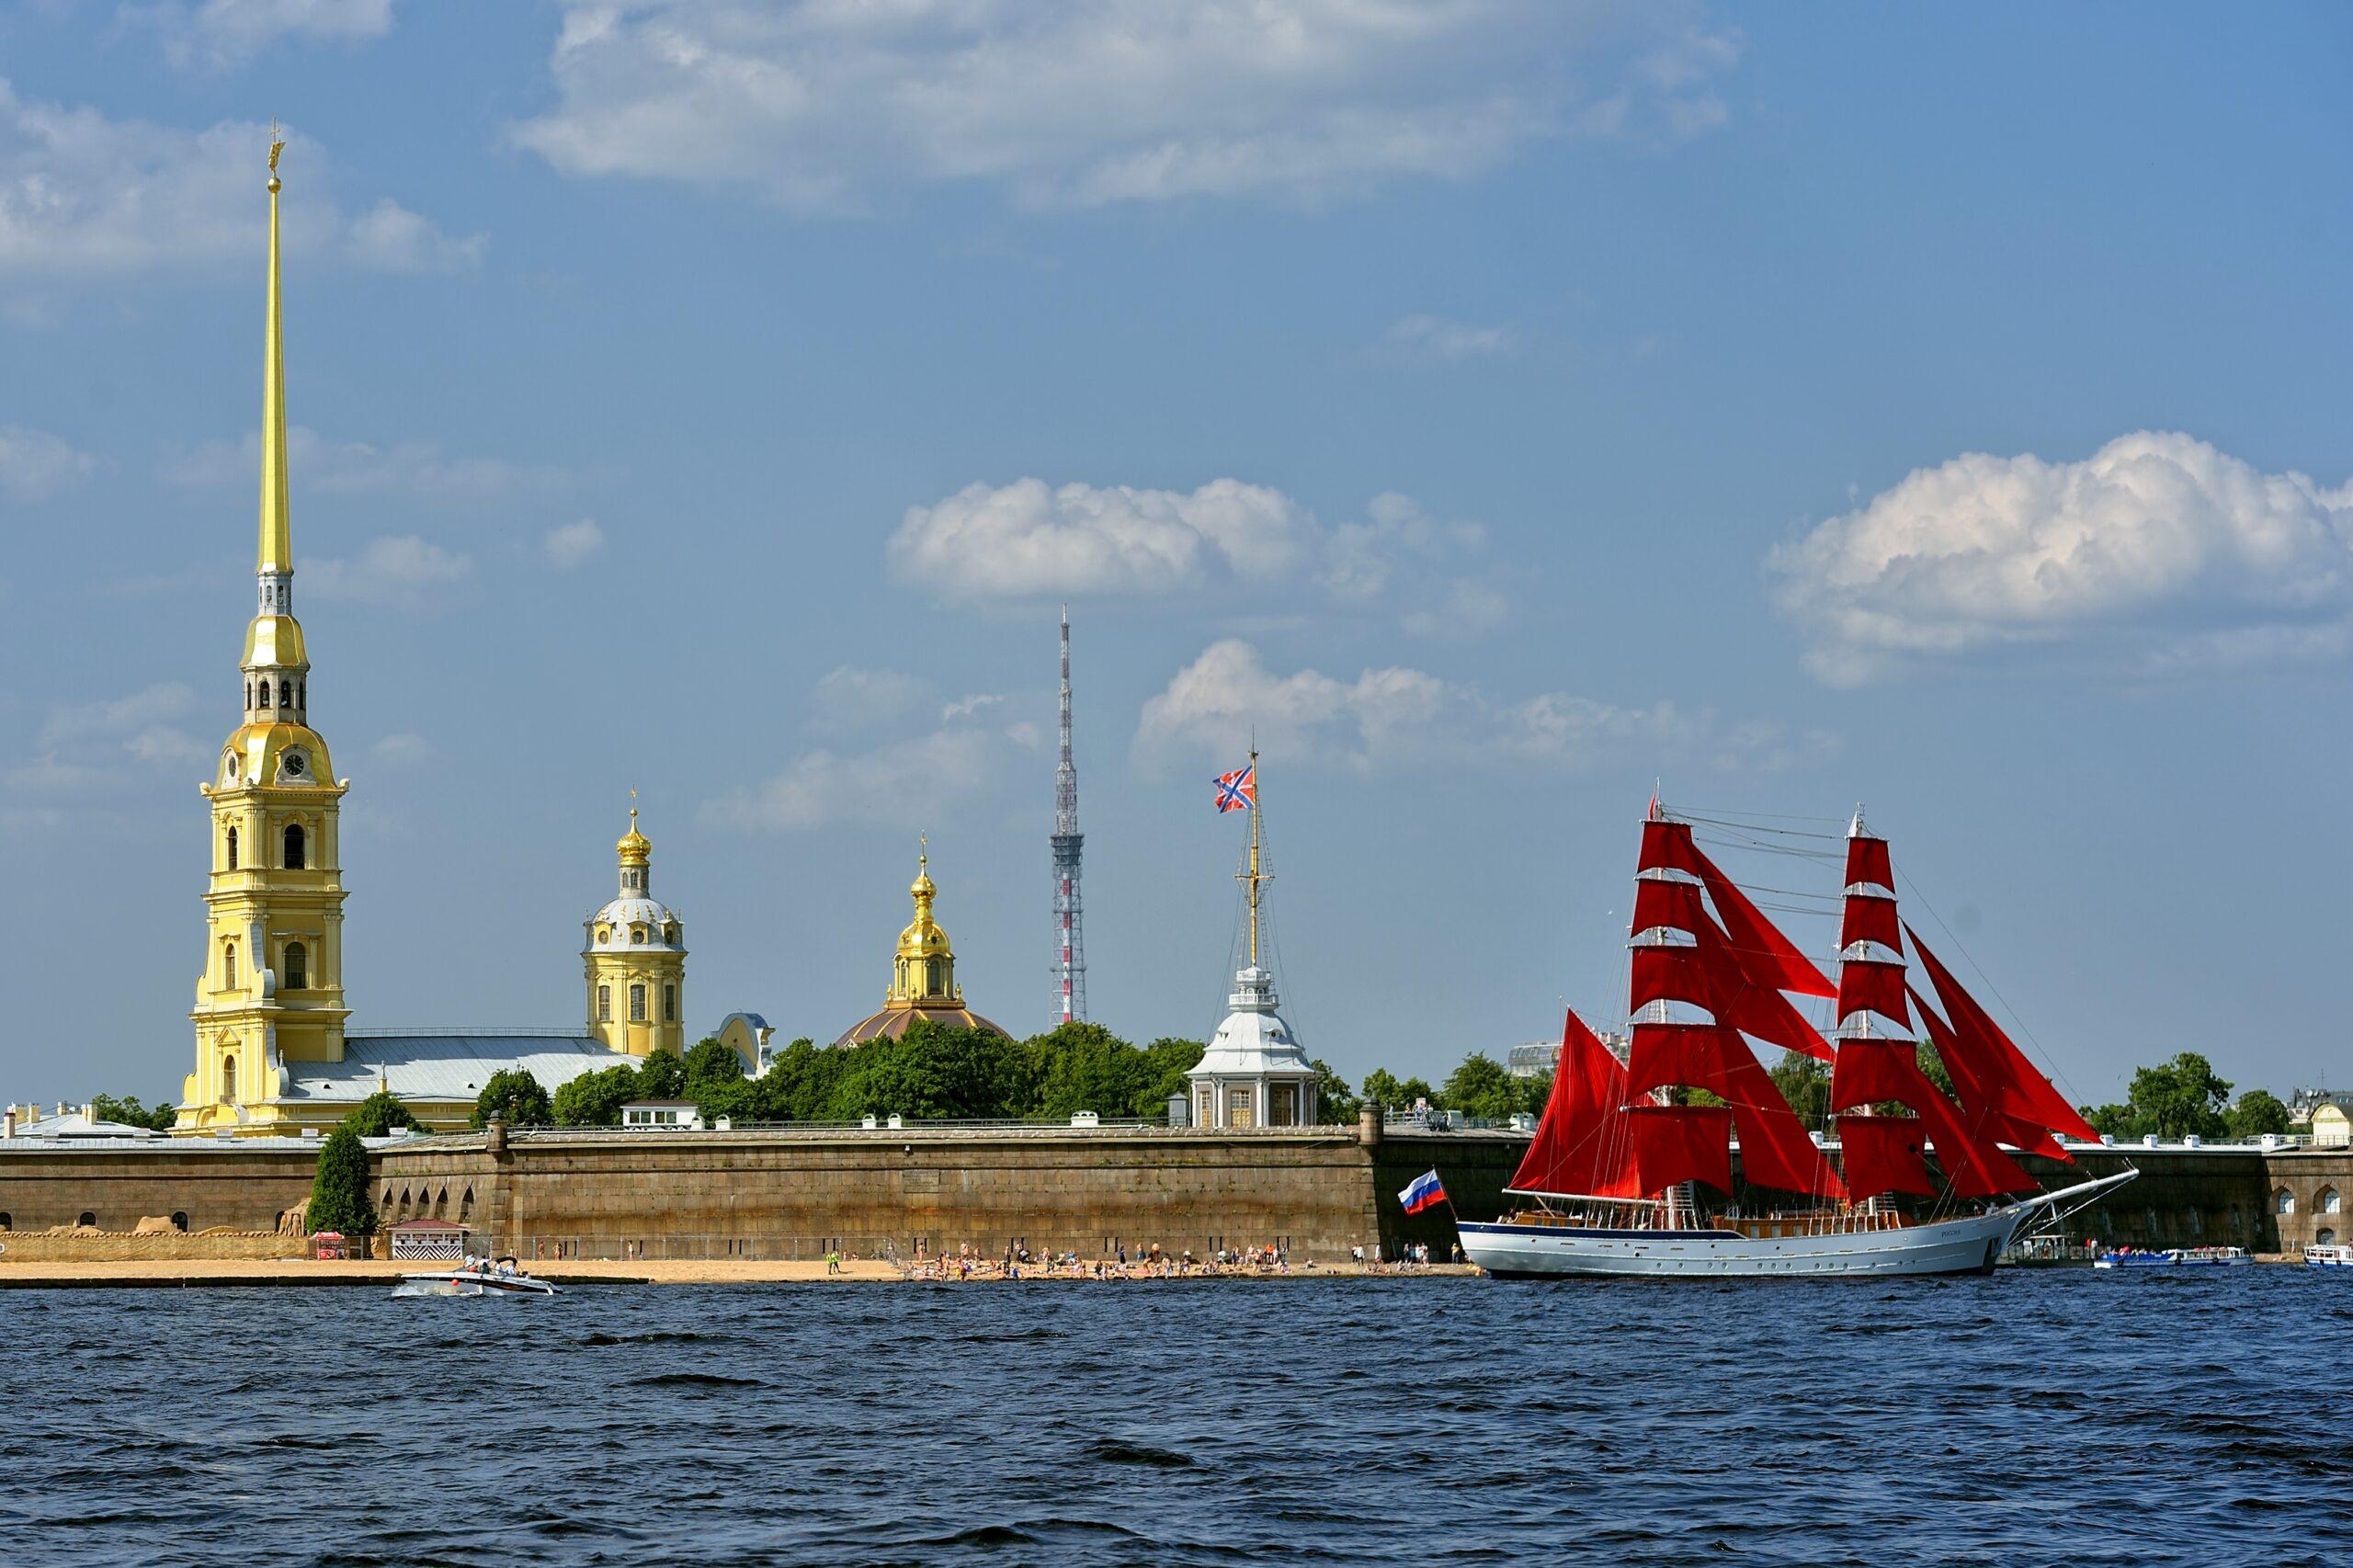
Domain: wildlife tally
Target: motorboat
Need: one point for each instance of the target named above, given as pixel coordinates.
(2329, 1255)
(2174, 1257)
(488, 1278)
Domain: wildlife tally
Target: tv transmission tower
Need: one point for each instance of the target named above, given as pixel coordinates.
(1070, 963)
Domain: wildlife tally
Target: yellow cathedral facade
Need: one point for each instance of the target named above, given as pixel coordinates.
(274, 1054)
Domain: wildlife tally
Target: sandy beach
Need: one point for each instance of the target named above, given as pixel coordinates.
(652, 1271)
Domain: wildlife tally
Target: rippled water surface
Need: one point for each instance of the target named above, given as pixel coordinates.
(2030, 1417)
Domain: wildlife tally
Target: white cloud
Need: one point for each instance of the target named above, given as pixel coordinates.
(85, 746)
(1434, 337)
(221, 33)
(402, 750)
(852, 699)
(1024, 540)
(2158, 544)
(36, 465)
(1469, 609)
(965, 707)
(398, 570)
(823, 105)
(1404, 717)
(573, 544)
(418, 469)
(903, 784)
(85, 197)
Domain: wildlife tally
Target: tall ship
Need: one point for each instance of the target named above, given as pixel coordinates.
(1614, 1181)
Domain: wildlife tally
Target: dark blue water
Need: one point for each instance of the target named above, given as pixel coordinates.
(2024, 1418)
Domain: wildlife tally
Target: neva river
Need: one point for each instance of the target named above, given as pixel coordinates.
(2030, 1417)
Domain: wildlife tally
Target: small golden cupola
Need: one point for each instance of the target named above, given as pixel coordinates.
(923, 974)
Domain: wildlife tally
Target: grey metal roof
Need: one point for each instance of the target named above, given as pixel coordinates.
(444, 1066)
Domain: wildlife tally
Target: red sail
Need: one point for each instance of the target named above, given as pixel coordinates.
(1774, 1148)
(1873, 1070)
(1668, 846)
(1983, 1118)
(1871, 985)
(1752, 1009)
(1680, 1143)
(1869, 918)
(2002, 1071)
(1581, 1146)
(1667, 975)
(1883, 1155)
(1766, 956)
(1867, 862)
(1658, 902)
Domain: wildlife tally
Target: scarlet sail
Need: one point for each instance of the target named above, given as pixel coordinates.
(1581, 1145)
(1884, 1153)
(2009, 1081)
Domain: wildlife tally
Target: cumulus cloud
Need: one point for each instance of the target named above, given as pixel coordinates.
(83, 196)
(1434, 337)
(572, 544)
(820, 104)
(401, 570)
(2158, 544)
(904, 783)
(221, 33)
(851, 698)
(415, 469)
(402, 750)
(36, 465)
(1404, 717)
(1027, 540)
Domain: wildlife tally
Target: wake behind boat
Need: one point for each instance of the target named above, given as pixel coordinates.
(1615, 1167)
(475, 1278)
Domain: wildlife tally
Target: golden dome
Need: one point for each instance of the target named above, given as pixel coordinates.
(633, 846)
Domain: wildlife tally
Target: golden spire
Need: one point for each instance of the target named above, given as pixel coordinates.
(276, 552)
(1251, 879)
(633, 846)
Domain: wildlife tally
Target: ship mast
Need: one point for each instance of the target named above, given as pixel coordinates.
(1251, 879)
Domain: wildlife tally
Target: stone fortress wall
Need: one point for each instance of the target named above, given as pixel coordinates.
(778, 1192)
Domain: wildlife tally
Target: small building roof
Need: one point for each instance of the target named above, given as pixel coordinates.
(425, 1225)
(442, 1067)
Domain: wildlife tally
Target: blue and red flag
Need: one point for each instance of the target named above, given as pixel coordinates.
(1238, 790)
(1425, 1193)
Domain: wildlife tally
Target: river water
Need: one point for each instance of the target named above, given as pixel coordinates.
(2028, 1417)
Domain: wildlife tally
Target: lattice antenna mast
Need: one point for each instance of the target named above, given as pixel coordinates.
(1070, 963)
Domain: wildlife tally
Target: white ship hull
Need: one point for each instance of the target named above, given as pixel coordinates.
(1968, 1245)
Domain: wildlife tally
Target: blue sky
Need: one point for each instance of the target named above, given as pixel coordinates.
(1496, 406)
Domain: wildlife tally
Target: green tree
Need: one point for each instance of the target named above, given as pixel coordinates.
(1804, 1082)
(516, 1096)
(1481, 1086)
(1168, 1060)
(661, 1076)
(594, 1099)
(799, 1086)
(2255, 1113)
(1534, 1093)
(339, 1188)
(1086, 1067)
(2116, 1121)
(936, 1073)
(708, 1062)
(1334, 1106)
(376, 1116)
(2179, 1098)
(129, 1111)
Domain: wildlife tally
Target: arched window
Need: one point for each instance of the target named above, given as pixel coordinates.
(298, 967)
(902, 977)
(637, 934)
(294, 846)
(179, 1218)
(466, 1205)
(2327, 1203)
(669, 1003)
(931, 977)
(637, 1004)
(249, 694)
(228, 966)
(604, 1003)
(303, 695)
(265, 694)
(2283, 1202)
(89, 1221)
(233, 849)
(229, 1079)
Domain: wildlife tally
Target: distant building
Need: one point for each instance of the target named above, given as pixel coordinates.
(1538, 1058)
(922, 975)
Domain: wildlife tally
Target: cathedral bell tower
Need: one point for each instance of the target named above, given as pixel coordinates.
(271, 988)
(636, 961)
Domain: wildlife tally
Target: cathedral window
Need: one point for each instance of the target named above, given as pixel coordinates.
(298, 967)
(637, 933)
(604, 1003)
(229, 1079)
(637, 1004)
(669, 1003)
(294, 846)
(303, 695)
(265, 694)
(931, 977)
(228, 966)
(249, 694)
(233, 849)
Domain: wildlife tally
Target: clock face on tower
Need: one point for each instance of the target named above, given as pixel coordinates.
(294, 764)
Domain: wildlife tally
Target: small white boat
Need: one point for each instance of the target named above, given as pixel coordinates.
(2174, 1257)
(2329, 1256)
(481, 1279)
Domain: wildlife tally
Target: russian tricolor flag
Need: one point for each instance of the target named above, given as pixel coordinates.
(1426, 1193)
